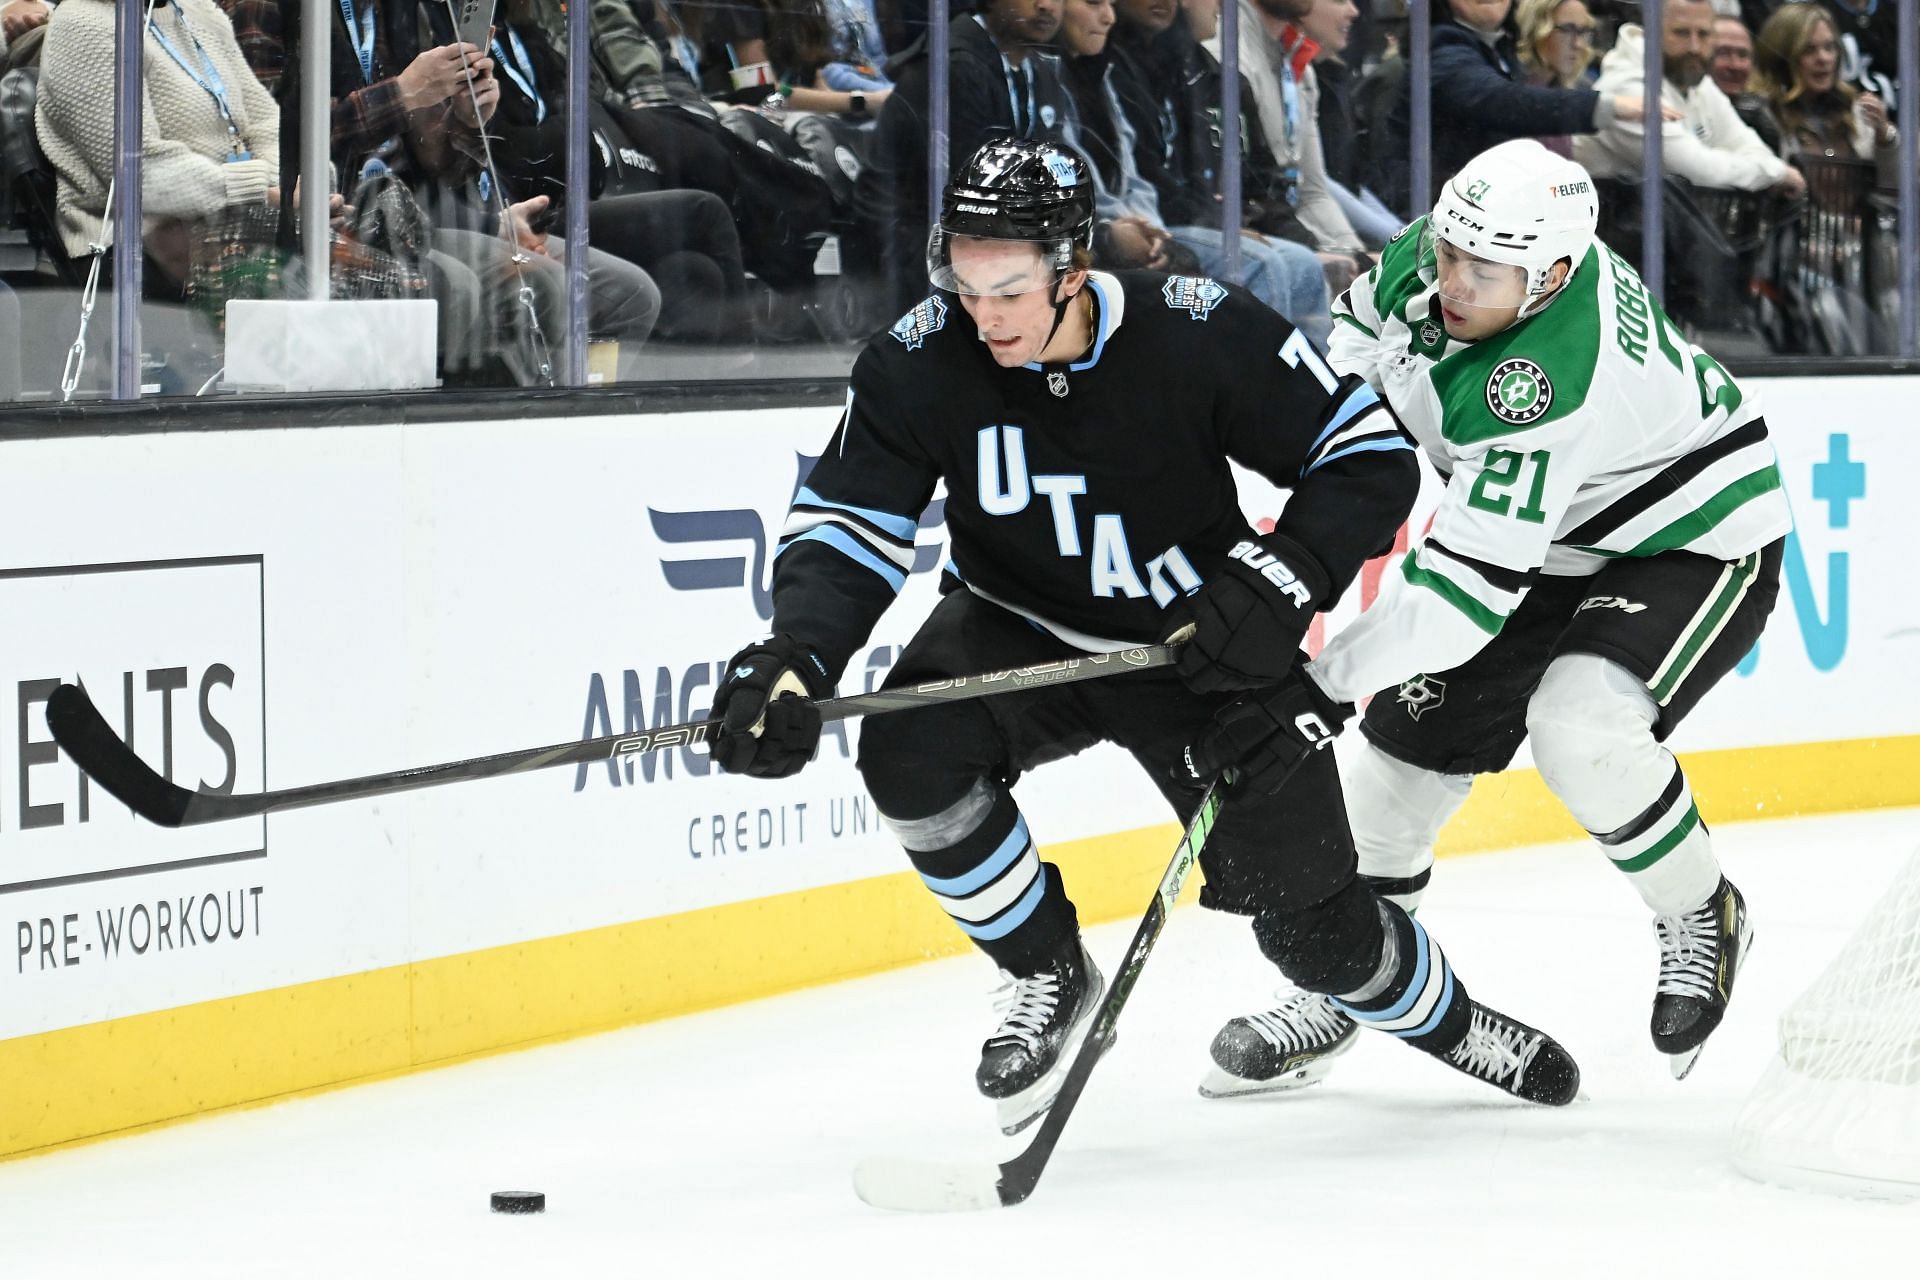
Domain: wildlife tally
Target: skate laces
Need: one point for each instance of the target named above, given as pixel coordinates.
(1689, 951)
(1495, 1049)
(1027, 1005)
(1303, 1022)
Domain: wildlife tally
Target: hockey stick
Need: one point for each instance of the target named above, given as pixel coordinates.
(927, 1187)
(86, 737)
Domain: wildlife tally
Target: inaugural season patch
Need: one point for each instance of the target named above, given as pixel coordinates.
(1195, 295)
(928, 317)
(1518, 391)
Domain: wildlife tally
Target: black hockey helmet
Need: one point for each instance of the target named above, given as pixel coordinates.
(1016, 189)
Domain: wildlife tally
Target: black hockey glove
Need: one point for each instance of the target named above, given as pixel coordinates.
(1265, 736)
(764, 722)
(1249, 621)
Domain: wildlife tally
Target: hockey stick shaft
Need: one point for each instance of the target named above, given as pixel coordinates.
(91, 743)
(1020, 1175)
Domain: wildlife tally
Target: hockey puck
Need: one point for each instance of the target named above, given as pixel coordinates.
(519, 1202)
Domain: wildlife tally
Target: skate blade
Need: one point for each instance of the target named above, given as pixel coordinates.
(1018, 1113)
(1681, 1064)
(1223, 1084)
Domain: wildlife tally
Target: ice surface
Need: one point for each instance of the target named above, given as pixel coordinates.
(723, 1144)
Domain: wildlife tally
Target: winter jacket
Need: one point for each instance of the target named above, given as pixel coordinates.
(890, 197)
(1481, 97)
(1709, 147)
(1182, 83)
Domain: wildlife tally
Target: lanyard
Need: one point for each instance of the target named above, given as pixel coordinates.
(360, 29)
(519, 69)
(1290, 106)
(208, 76)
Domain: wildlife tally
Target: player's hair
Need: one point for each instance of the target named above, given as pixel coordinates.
(1777, 49)
(1533, 19)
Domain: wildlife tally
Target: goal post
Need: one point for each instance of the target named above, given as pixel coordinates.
(1839, 1106)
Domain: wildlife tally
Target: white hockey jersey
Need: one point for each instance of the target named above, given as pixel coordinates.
(1588, 431)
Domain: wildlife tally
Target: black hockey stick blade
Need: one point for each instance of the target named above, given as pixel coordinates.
(925, 1186)
(92, 744)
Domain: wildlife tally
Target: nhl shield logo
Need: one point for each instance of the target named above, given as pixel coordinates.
(928, 317)
(1422, 694)
(1195, 295)
(1057, 383)
(1518, 391)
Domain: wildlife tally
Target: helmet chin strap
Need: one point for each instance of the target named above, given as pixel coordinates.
(1060, 301)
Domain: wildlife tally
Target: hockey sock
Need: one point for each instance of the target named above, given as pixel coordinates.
(1397, 810)
(984, 870)
(1413, 993)
(1592, 725)
(1666, 852)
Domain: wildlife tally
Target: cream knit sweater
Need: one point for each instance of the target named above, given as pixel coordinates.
(184, 166)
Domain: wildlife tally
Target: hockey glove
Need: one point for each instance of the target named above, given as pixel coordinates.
(1265, 736)
(1249, 621)
(764, 722)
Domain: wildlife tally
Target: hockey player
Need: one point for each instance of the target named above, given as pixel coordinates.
(1607, 547)
(1082, 423)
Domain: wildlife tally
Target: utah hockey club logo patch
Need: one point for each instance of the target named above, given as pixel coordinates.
(1196, 295)
(1518, 391)
(928, 317)
(1422, 694)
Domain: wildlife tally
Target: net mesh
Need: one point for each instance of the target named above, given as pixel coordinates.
(1839, 1106)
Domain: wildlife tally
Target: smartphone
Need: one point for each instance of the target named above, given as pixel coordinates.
(472, 22)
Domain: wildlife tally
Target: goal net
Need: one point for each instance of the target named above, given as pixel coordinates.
(1839, 1106)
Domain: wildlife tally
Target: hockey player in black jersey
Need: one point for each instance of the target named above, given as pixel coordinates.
(1083, 424)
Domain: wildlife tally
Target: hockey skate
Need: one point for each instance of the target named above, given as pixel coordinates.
(1700, 954)
(1513, 1056)
(1046, 1016)
(1285, 1048)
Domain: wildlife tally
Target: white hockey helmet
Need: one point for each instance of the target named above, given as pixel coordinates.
(1521, 205)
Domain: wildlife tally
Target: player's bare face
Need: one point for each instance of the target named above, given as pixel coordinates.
(1478, 298)
(1008, 290)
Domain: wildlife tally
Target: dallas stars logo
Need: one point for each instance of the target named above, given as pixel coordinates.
(1518, 391)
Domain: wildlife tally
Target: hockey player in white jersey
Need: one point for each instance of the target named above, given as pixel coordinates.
(1606, 549)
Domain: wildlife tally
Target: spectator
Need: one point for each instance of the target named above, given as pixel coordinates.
(1330, 24)
(211, 140)
(1117, 126)
(722, 44)
(1002, 82)
(1183, 81)
(22, 23)
(1798, 68)
(684, 241)
(401, 110)
(625, 58)
(1276, 62)
(1707, 145)
(1869, 34)
(859, 54)
(1731, 66)
(800, 46)
(1481, 96)
(1555, 43)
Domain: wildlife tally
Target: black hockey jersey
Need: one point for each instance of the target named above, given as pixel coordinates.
(1086, 497)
